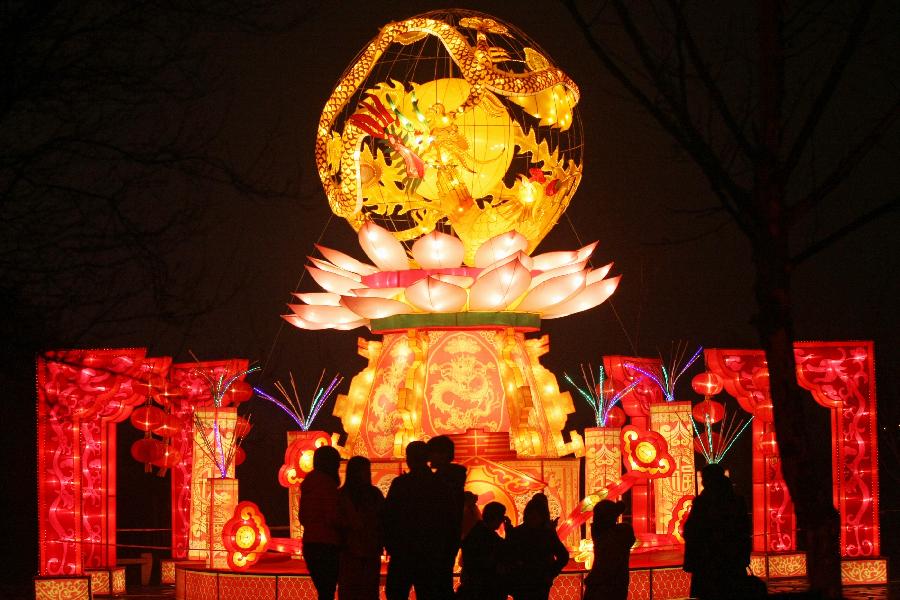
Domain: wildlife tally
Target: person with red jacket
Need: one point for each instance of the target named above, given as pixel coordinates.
(319, 517)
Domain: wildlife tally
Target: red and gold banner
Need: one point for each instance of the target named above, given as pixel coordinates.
(212, 444)
(672, 420)
(602, 457)
(223, 498)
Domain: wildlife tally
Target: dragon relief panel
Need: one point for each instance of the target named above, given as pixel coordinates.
(381, 420)
(463, 389)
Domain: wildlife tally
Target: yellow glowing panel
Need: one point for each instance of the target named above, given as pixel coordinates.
(223, 500)
(57, 588)
(864, 571)
(203, 469)
(673, 421)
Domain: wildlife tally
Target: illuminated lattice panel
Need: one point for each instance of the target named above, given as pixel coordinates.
(107, 582)
(167, 571)
(567, 586)
(673, 421)
(864, 571)
(70, 588)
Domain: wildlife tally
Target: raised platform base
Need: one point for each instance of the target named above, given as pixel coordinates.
(652, 577)
(167, 571)
(107, 582)
(54, 588)
(866, 571)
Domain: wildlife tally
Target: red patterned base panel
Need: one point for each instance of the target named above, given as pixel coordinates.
(107, 582)
(194, 582)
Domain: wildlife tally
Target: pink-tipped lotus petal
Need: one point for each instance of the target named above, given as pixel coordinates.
(388, 292)
(438, 250)
(591, 296)
(327, 266)
(498, 288)
(598, 274)
(332, 315)
(296, 321)
(382, 247)
(523, 258)
(553, 260)
(346, 262)
(540, 278)
(375, 308)
(462, 281)
(351, 325)
(552, 292)
(320, 298)
(434, 295)
(499, 247)
(585, 252)
(332, 282)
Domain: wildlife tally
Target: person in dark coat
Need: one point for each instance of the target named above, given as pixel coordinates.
(415, 519)
(608, 579)
(319, 517)
(481, 553)
(717, 538)
(452, 477)
(359, 505)
(534, 553)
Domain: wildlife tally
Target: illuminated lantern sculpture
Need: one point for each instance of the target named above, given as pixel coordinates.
(245, 536)
(452, 172)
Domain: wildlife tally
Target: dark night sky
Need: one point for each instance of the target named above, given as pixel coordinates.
(700, 291)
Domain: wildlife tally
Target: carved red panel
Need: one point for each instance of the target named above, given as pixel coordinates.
(841, 377)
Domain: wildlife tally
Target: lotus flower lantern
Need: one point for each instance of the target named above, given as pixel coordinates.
(452, 145)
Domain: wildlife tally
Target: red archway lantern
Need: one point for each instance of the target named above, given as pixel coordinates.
(148, 417)
(707, 384)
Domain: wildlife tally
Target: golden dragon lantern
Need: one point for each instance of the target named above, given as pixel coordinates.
(452, 145)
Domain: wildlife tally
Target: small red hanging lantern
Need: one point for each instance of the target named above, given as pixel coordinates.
(715, 410)
(148, 417)
(147, 450)
(169, 394)
(167, 457)
(239, 391)
(615, 417)
(240, 455)
(242, 427)
(707, 384)
(170, 426)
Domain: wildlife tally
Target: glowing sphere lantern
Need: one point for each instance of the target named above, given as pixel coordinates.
(708, 409)
(169, 427)
(147, 450)
(148, 418)
(707, 384)
(237, 392)
(451, 118)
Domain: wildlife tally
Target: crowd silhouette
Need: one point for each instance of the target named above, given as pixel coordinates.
(427, 518)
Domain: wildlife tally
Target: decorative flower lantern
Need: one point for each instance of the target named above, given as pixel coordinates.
(452, 145)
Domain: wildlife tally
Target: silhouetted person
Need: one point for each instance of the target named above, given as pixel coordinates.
(471, 514)
(319, 517)
(481, 554)
(717, 539)
(452, 476)
(608, 579)
(359, 506)
(535, 556)
(415, 520)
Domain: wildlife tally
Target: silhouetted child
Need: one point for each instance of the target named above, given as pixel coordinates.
(452, 476)
(481, 554)
(319, 517)
(471, 514)
(535, 556)
(359, 505)
(416, 520)
(717, 539)
(608, 579)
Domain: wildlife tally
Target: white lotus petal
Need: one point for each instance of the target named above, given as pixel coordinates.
(389, 292)
(351, 325)
(434, 295)
(563, 270)
(332, 282)
(327, 266)
(499, 287)
(375, 308)
(462, 281)
(499, 247)
(382, 247)
(320, 298)
(598, 274)
(346, 262)
(591, 296)
(523, 258)
(552, 292)
(324, 314)
(438, 250)
(552, 260)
